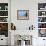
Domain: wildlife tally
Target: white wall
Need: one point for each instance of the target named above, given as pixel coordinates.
(32, 6)
(24, 5)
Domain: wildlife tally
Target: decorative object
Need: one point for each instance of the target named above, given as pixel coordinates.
(6, 7)
(41, 13)
(41, 6)
(3, 6)
(13, 27)
(23, 40)
(3, 19)
(3, 13)
(41, 19)
(42, 32)
(4, 29)
(22, 14)
(31, 27)
(0, 7)
(41, 25)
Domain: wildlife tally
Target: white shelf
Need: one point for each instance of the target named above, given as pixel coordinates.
(41, 10)
(3, 10)
(41, 28)
(41, 22)
(3, 16)
(3, 22)
(42, 16)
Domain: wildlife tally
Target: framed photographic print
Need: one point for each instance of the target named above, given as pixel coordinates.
(22, 14)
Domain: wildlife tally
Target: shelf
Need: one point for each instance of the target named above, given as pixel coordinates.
(3, 10)
(42, 19)
(3, 16)
(42, 16)
(4, 19)
(41, 22)
(41, 10)
(41, 28)
(3, 22)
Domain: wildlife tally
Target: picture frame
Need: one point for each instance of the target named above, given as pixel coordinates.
(22, 14)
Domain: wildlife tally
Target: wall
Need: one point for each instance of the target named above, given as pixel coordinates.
(26, 5)
(32, 6)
